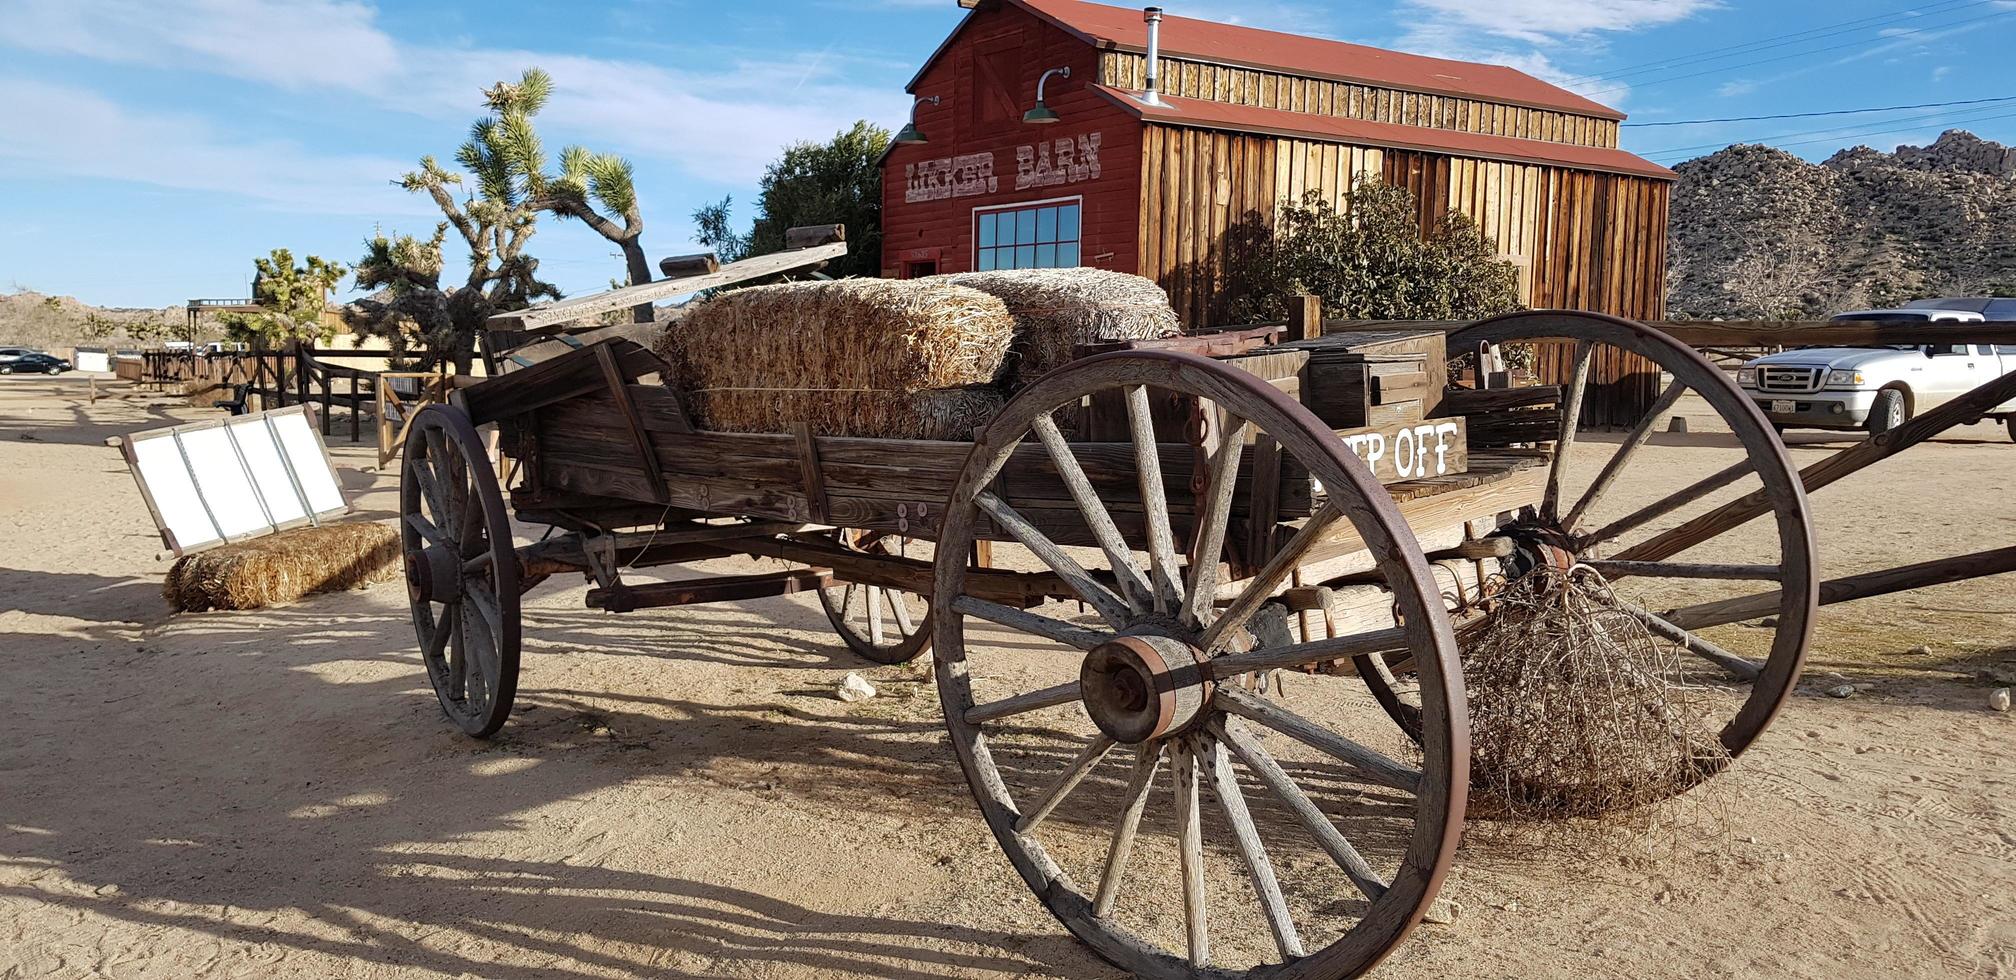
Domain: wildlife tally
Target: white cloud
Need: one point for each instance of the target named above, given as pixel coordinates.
(1741, 86)
(294, 45)
(700, 121)
(1552, 21)
(77, 133)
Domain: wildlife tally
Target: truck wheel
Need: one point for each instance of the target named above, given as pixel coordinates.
(1888, 413)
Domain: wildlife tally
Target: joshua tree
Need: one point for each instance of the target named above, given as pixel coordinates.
(596, 189)
(291, 299)
(496, 222)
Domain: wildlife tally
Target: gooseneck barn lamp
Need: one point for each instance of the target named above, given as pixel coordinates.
(910, 135)
(1043, 115)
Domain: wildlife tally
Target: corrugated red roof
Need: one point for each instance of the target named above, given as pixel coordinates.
(1123, 28)
(1280, 122)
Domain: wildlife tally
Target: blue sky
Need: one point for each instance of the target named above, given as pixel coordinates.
(150, 148)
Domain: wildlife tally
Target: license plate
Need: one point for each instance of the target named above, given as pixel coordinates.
(1783, 407)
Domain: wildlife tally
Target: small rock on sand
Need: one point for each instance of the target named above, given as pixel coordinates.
(1442, 912)
(1998, 700)
(1920, 650)
(854, 687)
(1841, 691)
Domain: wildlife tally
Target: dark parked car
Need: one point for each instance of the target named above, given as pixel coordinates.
(34, 362)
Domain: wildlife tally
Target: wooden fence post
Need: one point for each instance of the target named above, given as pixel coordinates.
(1305, 317)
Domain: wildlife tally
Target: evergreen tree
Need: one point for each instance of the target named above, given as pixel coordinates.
(835, 182)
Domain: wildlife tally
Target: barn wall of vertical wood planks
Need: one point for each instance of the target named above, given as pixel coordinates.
(1247, 119)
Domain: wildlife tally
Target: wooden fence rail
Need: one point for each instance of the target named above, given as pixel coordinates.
(297, 375)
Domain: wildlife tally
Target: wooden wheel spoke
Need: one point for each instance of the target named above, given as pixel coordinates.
(1214, 512)
(1190, 854)
(458, 666)
(427, 531)
(437, 462)
(1742, 668)
(1139, 784)
(488, 615)
(1163, 571)
(1315, 651)
(1234, 735)
(1110, 607)
(900, 611)
(1035, 624)
(874, 615)
(1082, 766)
(1262, 587)
(1571, 418)
(1666, 505)
(1118, 556)
(1611, 470)
(430, 488)
(478, 564)
(1022, 703)
(1663, 569)
(1218, 769)
(1373, 766)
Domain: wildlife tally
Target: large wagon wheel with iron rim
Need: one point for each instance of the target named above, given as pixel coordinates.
(461, 569)
(1132, 717)
(1625, 522)
(887, 626)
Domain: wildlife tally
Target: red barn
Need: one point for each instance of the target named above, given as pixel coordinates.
(1242, 119)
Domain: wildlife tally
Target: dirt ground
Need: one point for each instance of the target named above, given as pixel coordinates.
(276, 794)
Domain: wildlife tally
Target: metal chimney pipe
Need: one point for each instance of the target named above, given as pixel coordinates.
(1153, 95)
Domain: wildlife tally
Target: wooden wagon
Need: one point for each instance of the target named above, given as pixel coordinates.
(1188, 527)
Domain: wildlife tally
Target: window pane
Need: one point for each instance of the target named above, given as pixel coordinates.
(1025, 257)
(986, 260)
(1025, 228)
(1046, 225)
(987, 230)
(1067, 223)
(1046, 256)
(1067, 255)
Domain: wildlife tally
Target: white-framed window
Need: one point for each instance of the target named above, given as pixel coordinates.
(1036, 235)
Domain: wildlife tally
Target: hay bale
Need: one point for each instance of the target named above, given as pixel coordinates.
(1056, 310)
(948, 414)
(1576, 709)
(283, 567)
(846, 335)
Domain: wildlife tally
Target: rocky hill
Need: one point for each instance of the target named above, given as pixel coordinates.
(31, 319)
(1758, 232)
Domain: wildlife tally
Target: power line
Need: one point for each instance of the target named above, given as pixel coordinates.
(1809, 115)
(1900, 125)
(1766, 43)
(1800, 54)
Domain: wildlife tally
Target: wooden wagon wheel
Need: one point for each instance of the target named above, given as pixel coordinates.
(884, 625)
(1777, 574)
(461, 569)
(1166, 677)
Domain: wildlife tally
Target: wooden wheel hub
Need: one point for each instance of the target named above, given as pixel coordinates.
(433, 575)
(1537, 547)
(1138, 688)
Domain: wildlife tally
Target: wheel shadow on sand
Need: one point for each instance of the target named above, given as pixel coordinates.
(331, 809)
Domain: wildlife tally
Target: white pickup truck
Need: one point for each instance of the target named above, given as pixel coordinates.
(1875, 388)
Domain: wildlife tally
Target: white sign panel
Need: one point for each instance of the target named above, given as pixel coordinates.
(216, 482)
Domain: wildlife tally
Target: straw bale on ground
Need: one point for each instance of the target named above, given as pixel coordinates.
(283, 567)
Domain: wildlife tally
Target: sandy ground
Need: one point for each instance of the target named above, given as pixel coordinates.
(275, 793)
